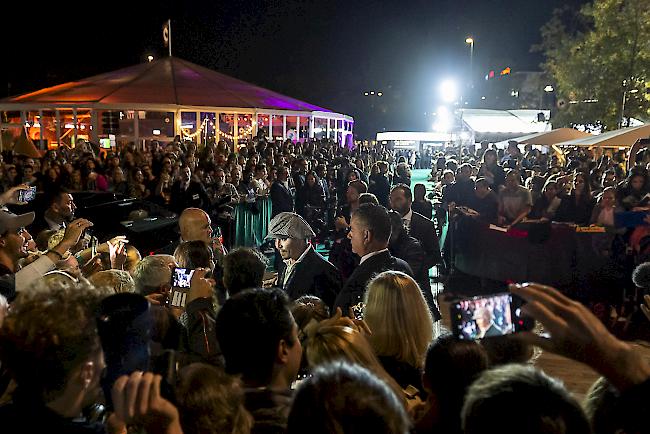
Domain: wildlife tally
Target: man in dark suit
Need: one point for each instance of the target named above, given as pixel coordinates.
(423, 230)
(369, 232)
(485, 320)
(187, 193)
(302, 270)
(281, 197)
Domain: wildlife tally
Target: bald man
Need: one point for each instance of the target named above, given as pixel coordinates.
(195, 225)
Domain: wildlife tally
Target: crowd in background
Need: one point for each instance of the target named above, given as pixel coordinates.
(90, 340)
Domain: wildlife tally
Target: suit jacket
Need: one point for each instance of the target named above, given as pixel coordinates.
(423, 230)
(355, 287)
(314, 275)
(194, 197)
(281, 199)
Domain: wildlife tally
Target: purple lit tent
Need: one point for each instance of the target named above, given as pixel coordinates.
(162, 99)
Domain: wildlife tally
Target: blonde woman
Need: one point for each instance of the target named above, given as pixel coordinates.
(330, 343)
(401, 324)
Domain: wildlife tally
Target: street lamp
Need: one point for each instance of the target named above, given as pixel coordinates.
(469, 40)
(150, 58)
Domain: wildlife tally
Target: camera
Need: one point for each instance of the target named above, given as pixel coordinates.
(488, 316)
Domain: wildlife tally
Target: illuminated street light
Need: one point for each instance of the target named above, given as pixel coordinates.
(366, 93)
(379, 94)
(549, 88)
(469, 40)
(150, 58)
(449, 91)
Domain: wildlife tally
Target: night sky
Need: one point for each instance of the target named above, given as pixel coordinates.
(324, 52)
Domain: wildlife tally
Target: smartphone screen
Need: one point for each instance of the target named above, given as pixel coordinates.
(93, 246)
(27, 195)
(181, 278)
(488, 316)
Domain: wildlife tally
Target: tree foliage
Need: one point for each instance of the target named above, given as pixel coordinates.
(596, 56)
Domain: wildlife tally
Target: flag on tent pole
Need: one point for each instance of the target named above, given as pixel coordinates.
(167, 35)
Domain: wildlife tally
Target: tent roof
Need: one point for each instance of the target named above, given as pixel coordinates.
(552, 137)
(165, 81)
(624, 137)
(504, 121)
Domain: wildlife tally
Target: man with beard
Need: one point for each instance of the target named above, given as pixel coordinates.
(14, 241)
(60, 211)
(302, 271)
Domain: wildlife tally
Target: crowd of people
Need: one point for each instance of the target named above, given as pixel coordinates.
(93, 337)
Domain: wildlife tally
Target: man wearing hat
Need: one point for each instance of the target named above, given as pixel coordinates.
(302, 271)
(13, 246)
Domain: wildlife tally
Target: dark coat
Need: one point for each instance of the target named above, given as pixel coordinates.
(423, 230)
(425, 208)
(281, 199)
(194, 197)
(355, 287)
(314, 275)
(380, 187)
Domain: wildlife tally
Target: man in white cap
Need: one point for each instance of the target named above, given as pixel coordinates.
(302, 271)
(13, 246)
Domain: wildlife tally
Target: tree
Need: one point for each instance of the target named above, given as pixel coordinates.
(596, 57)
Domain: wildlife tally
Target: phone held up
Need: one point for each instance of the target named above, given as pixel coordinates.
(488, 316)
(27, 195)
(181, 278)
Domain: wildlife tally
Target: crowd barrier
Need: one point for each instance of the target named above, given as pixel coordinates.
(548, 253)
(251, 221)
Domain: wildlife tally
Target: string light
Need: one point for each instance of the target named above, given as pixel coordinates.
(198, 131)
(244, 132)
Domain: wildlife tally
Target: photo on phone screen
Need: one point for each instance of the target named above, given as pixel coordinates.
(487, 316)
(181, 278)
(27, 195)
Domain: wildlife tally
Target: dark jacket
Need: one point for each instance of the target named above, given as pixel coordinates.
(27, 415)
(314, 275)
(487, 207)
(423, 230)
(575, 212)
(312, 196)
(200, 338)
(194, 197)
(270, 410)
(410, 250)
(460, 192)
(425, 208)
(281, 199)
(355, 287)
(380, 187)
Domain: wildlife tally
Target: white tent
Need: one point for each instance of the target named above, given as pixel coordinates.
(624, 137)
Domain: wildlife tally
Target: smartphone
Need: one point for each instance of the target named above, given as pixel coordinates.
(93, 246)
(181, 278)
(488, 316)
(124, 324)
(27, 195)
(358, 310)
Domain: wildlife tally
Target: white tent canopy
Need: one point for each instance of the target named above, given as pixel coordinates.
(553, 137)
(624, 137)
